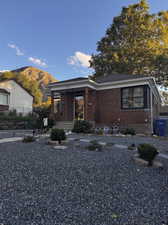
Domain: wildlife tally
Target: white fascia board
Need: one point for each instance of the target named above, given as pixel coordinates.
(67, 83)
(123, 81)
(100, 86)
(155, 90)
(66, 87)
(128, 84)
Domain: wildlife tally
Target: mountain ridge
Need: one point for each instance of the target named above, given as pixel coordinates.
(30, 73)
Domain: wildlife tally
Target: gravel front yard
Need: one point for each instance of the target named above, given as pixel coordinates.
(41, 185)
(160, 143)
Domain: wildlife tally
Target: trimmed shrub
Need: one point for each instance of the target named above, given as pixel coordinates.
(58, 135)
(82, 126)
(130, 131)
(147, 152)
(99, 131)
(28, 139)
(94, 146)
(132, 147)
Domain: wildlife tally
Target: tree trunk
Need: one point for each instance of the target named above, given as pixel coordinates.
(150, 163)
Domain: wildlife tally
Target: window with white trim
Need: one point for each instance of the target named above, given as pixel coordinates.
(134, 97)
(4, 99)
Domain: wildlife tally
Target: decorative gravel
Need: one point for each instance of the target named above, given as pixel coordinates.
(41, 185)
(161, 143)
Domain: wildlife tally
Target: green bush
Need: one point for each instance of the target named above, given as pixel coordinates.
(99, 132)
(12, 113)
(130, 131)
(28, 139)
(132, 147)
(82, 126)
(147, 152)
(58, 135)
(94, 146)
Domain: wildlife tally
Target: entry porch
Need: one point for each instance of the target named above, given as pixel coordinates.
(73, 104)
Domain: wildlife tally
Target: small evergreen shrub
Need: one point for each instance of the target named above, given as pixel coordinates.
(82, 126)
(94, 146)
(58, 135)
(99, 132)
(28, 139)
(130, 131)
(132, 147)
(147, 152)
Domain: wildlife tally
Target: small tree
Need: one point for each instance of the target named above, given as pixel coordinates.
(58, 135)
(82, 126)
(147, 152)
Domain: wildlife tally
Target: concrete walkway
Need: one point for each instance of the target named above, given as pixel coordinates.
(13, 139)
(165, 156)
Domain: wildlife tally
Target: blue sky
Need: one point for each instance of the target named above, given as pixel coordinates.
(56, 35)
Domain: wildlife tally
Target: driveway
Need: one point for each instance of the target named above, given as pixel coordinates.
(42, 185)
(14, 133)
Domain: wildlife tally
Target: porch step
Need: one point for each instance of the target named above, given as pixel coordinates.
(67, 125)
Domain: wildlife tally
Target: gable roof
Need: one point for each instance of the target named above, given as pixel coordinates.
(2, 90)
(6, 80)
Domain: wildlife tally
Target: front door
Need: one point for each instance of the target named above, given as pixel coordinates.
(79, 108)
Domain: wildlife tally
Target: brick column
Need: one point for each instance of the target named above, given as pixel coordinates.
(52, 102)
(86, 97)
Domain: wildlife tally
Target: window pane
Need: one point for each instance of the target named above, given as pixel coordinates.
(125, 104)
(56, 105)
(133, 97)
(138, 102)
(126, 92)
(3, 99)
(138, 92)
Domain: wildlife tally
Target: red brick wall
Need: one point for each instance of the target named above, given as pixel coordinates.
(109, 111)
(91, 105)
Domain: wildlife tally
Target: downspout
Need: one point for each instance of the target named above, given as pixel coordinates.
(151, 101)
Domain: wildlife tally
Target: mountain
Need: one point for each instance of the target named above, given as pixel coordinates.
(32, 79)
(35, 74)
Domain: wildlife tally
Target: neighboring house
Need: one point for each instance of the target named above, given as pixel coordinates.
(115, 101)
(14, 97)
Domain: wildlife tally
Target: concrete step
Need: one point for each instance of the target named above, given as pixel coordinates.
(67, 125)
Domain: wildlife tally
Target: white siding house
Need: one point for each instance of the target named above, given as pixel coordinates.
(18, 99)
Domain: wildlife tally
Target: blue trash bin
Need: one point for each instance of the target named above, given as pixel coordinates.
(160, 127)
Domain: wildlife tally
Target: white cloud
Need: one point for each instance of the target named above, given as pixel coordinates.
(18, 51)
(79, 59)
(37, 61)
(2, 71)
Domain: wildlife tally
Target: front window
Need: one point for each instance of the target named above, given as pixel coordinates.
(133, 98)
(3, 99)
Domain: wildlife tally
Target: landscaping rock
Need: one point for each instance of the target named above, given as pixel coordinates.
(139, 161)
(61, 147)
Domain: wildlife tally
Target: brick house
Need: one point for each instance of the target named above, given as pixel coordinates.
(114, 100)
